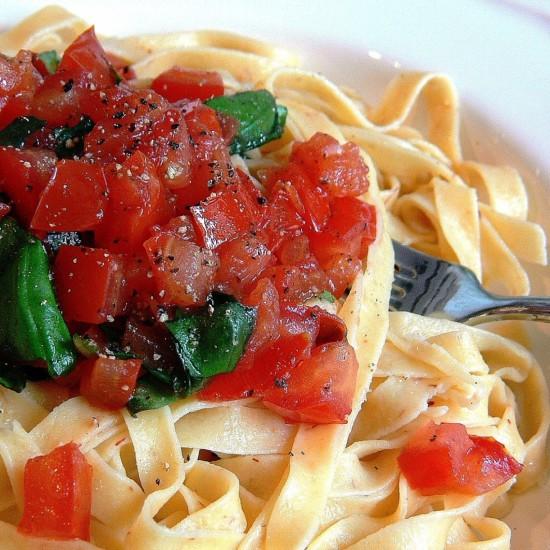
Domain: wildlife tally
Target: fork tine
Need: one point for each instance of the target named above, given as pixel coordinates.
(428, 286)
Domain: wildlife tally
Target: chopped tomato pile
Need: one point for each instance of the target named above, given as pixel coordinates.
(151, 220)
(58, 495)
(443, 458)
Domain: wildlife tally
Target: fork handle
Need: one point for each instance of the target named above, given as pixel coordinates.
(527, 308)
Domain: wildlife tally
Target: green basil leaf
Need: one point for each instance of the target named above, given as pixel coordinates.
(211, 343)
(50, 59)
(12, 376)
(88, 347)
(116, 76)
(31, 325)
(12, 238)
(327, 297)
(150, 393)
(261, 119)
(208, 342)
(69, 140)
(17, 131)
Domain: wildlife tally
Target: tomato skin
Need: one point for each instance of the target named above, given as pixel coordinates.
(90, 284)
(17, 86)
(225, 215)
(74, 199)
(139, 120)
(211, 164)
(24, 173)
(108, 382)
(443, 458)
(270, 365)
(298, 283)
(177, 83)
(242, 262)
(137, 201)
(84, 67)
(314, 200)
(350, 229)
(320, 389)
(86, 62)
(184, 272)
(265, 298)
(58, 495)
(337, 168)
(284, 214)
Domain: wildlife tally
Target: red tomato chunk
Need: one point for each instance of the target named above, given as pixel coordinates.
(108, 382)
(90, 284)
(178, 83)
(18, 83)
(23, 176)
(443, 458)
(58, 495)
(74, 200)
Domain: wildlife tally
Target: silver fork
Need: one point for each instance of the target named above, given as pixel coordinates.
(429, 286)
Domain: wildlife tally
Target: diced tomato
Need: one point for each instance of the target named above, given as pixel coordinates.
(443, 458)
(4, 209)
(285, 215)
(121, 65)
(39, 65)
(350, 230)
(211, 165)
(86, 62)
(337, 168)
(90, 284)
(225, 215)
(58, 495)
(137, 201)
(293, 251)
(184, 272)
(342, 271)
(265, 299)
(271, 366)
(242, 261)
(140, 120)
(17, 86)
(230, 127)
(74, 200)
(180, 226)
(177, 83)
(331, 327)
(316, 208)
(24, 173)
(83, 68)
(108, 382)
(298, 283)
(320, 389)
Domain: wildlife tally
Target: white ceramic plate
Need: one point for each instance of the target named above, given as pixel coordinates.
(497, 52)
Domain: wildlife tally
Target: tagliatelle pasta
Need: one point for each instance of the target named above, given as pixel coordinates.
(286, 486)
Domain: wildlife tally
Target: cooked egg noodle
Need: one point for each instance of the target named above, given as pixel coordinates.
(287, 486)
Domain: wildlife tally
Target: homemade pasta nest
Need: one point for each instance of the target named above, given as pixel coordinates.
(283, 486)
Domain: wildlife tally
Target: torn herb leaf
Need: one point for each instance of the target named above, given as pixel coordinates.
(150, 393)
(31, 324)
(50, 59)
(261, 119)
(12, 377)
(17, 131)
(69, 140)
(212, 343)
